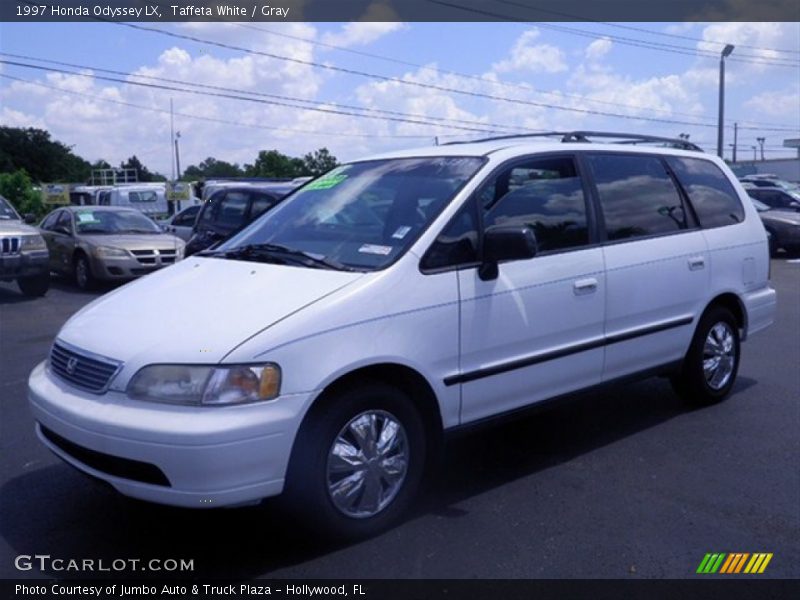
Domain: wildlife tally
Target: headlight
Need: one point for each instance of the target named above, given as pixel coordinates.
(109, 252)
(33, 242)
(201, 385)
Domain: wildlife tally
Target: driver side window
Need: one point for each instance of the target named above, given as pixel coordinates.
(545, 194)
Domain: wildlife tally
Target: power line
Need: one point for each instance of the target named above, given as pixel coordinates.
(209, 119)
(459, 74)
(477, 77)
(642, 30)
(440, 88)
(671, 48)
(485, 127)
(244, 98)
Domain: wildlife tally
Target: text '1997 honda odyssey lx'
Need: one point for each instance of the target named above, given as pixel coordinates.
(323, 351)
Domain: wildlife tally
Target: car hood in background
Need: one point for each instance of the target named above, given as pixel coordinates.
(14, 227)
(196, 311)
(132, 241)
(789, 216)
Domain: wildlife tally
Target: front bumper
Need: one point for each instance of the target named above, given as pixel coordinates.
(209, 456)
(127, 268)
(25, 264)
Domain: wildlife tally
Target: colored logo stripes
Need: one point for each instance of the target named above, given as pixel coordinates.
(735, 562)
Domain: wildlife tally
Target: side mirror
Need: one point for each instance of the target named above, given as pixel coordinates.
(29, 218)
(506, 242)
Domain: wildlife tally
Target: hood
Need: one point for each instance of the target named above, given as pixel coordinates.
(196, 311)
(133, 241)
(15, 227)
(789, 216)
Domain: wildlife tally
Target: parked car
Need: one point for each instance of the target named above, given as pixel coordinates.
(148, 198)
(231, 208)
(93, 243)
(23, 253)
(775, 197)
(769, 180)
(324, 351)
(783, 227)
(182, 223)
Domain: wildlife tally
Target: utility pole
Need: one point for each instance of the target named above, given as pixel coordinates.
(172, 136)
(754, 152)
(177, 156)
(761, 141)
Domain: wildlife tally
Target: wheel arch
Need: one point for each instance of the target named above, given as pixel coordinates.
(403, 377)
(735, 305)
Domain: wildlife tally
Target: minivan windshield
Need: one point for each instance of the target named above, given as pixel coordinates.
(358, 216)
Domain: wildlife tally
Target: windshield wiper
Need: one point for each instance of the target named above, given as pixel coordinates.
(282, 254)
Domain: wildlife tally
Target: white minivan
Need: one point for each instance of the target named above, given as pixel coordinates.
(324, 351)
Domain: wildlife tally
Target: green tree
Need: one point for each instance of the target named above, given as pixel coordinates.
(17, 188)
(211, 167)
(271, 163)
(142, 173)
(44, 159)
(319, 162)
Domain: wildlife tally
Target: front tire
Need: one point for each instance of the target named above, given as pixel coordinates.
(34, 286)
(84, 278)
(710, 367)
(357, 462)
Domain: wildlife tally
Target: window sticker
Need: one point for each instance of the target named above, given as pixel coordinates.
(329, 180)
(86, 217)
(401, 232)
(326, 183)
(375, 249)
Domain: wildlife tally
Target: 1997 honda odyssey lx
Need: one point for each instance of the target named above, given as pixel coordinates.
(323, 351)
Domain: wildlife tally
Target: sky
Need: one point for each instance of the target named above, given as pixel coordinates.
(375, 87)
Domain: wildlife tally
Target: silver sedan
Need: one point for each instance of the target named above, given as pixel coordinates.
(106, 243)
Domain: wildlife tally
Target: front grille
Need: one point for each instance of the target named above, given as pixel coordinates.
(10, 245)
(125, 468)
(91, 373)
(154, 257)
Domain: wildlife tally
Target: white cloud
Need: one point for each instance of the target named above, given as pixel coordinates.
(361, 33)
(785, 105)
(525, 56)
(598, 49)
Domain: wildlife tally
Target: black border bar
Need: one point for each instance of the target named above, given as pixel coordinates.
(520, 11)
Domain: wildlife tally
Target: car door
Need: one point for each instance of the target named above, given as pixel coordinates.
(535, 331)
(656, 258)
(183, 222)
(62, 243)
(46, 230)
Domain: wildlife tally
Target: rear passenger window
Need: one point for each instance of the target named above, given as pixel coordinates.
(637, 196)
(232, 209)
(715, 201)
(545, 194)
(261, 204)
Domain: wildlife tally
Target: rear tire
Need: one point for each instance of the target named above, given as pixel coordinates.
(34, 286)
(357, 462)
(712, 362)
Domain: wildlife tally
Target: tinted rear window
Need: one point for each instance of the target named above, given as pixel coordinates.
(637, 196)
(715, 201)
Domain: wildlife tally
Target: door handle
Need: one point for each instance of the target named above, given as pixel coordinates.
(696, 263)
(585, 286)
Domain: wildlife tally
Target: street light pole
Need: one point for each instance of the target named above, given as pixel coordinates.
(177, 156)
(726, 51)
(761, 141)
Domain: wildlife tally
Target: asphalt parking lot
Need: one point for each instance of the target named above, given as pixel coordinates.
(627, 483)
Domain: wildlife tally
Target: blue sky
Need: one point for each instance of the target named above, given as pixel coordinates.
(585, 67)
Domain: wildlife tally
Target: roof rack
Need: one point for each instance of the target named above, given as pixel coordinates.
(583, 136)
